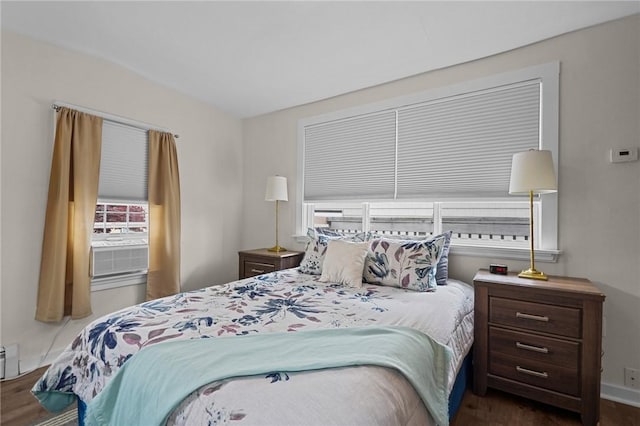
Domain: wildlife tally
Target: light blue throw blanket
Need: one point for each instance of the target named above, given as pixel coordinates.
(151, 384)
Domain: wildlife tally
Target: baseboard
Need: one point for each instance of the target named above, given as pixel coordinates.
(621, 394)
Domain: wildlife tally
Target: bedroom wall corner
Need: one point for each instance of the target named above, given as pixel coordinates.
(34, 74)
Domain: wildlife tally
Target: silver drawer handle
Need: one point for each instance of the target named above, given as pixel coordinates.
(543, 374)
(257, 271)
(540, 349)
(532, 317)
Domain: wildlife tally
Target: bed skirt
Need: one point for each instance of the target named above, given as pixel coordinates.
(460, 385)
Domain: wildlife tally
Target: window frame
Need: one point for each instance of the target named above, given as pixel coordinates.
(125, 235)
(125, 279)
(547, 223)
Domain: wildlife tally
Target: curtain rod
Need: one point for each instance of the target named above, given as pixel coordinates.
(110, 117)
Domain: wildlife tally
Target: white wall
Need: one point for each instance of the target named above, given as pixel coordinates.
(599, 202)
(34, 74)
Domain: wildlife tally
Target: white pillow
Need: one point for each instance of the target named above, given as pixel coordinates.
(317, 248)
(344, 262)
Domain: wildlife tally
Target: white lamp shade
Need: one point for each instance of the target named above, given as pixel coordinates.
(276, 189)
(532, 171)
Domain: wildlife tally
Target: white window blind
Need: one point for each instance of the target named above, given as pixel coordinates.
(462, 146)
(124, 162)
(351, 159)
(454, 147)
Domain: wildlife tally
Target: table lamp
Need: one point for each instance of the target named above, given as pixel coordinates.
(276, 191)
(532, 172)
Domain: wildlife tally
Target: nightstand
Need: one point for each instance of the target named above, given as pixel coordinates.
(262, 261)
(539, 339)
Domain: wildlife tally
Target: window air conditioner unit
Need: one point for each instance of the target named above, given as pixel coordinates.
(116, 260)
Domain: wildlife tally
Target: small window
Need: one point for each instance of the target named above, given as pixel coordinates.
(341, 217)
(496, 224)
(401, 219)
(121, 219)
(120, 245)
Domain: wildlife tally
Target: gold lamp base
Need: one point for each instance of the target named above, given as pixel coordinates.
(532, 273)
(277, 249)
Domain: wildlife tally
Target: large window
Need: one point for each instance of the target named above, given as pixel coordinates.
(434, 161)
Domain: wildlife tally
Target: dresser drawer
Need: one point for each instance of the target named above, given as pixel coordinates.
(547, 376)
(262, 261)
(257, 268)
(536, 348)
(553, 319)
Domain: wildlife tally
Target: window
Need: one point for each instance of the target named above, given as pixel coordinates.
(435, 161)
(120, 232)
(493, 224)
(123, 219)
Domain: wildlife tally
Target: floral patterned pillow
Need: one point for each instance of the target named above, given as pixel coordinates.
(323, 230)
(442, 270)
(317, 249)
(442, 273)
(406, 264)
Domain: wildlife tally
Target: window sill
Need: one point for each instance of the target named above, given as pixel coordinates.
(99, 284)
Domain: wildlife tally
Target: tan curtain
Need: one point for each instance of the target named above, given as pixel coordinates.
(164, 217)
(65, 284)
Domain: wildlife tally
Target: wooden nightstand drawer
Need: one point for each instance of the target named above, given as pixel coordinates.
(552, 319)
(263, 261)
(255, 268)
(558, 352)
(547, 376)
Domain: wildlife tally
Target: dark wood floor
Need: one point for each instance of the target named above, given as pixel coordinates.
(502, 409)
(20, 408)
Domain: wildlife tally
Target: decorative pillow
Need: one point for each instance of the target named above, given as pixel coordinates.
(344, 262)
(357, 237)
(322, 230)
(406, 264)
(442, 271)
(317, 248)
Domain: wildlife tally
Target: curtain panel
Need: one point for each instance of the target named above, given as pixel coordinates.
(163, 278)
(65, 284)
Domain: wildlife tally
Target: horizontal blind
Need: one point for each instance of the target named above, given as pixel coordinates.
(351, 159)
(462, 146)
(124, 162)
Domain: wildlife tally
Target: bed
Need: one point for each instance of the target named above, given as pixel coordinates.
(275, 304)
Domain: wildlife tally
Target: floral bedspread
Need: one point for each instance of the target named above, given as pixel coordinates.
(280, 301)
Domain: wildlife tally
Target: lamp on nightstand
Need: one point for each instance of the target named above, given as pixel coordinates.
(276, 191)
(532, 172)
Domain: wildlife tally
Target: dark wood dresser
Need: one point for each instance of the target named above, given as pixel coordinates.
(262, 261)
(539, 339)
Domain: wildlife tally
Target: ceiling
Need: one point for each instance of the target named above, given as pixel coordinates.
(253, 57)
